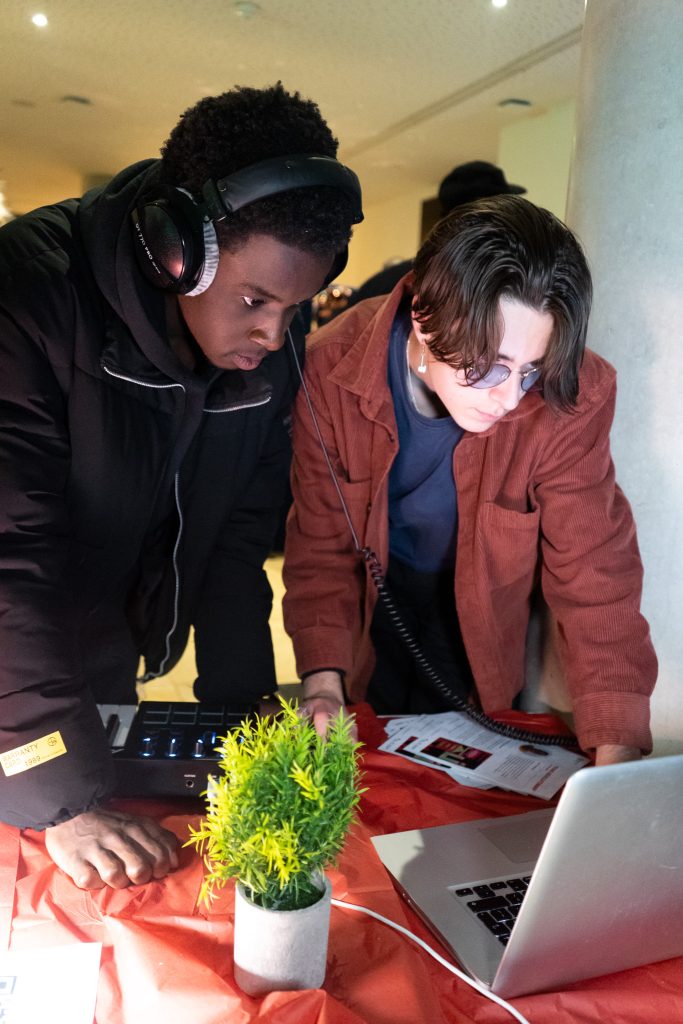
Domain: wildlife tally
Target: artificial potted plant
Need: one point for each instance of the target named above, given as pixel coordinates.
(277, 816)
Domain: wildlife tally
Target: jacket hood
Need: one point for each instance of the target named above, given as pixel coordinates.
(107, 235)
(106, 229)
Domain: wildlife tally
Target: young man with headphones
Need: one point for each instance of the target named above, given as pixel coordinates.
(145, 449)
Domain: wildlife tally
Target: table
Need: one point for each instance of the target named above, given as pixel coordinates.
(167, 961)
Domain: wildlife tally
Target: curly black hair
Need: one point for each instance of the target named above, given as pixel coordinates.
(223, 134)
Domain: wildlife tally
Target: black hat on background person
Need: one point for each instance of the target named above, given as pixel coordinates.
(474, 180)
(477, 179)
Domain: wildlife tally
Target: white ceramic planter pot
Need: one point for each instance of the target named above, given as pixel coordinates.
(280, 949)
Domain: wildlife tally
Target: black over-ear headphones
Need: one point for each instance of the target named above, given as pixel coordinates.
(174, 234)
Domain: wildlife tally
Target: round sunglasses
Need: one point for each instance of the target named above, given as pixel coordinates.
(498, 374)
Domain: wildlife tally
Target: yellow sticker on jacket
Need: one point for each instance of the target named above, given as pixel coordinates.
(37, 752)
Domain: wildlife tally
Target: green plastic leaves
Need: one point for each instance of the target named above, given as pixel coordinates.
(279, 812)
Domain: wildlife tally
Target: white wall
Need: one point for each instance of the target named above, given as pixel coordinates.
(536, 152)
(390, 231)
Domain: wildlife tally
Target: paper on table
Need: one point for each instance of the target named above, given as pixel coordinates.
(476, 756)
(53, 983)
(403, 733)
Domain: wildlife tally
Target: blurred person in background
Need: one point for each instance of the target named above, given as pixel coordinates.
(477, 179)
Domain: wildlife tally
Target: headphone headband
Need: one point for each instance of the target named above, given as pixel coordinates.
(279, 174)
(173, 232)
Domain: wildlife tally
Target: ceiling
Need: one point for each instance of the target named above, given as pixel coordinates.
(410, 87)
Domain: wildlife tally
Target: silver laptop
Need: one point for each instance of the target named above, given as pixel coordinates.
(532, 902)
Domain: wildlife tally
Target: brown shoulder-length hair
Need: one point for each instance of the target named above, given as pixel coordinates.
(503, 247)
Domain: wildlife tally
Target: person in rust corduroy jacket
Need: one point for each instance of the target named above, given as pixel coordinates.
(498, 304)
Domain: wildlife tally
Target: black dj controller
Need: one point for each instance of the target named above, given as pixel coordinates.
(166, 748)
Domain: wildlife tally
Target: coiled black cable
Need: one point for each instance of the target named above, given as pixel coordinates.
(436, 680)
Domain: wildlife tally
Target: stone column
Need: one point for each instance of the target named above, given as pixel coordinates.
(626, 204)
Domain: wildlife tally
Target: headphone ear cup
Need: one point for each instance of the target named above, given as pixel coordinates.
(211, 259)
(168, 234)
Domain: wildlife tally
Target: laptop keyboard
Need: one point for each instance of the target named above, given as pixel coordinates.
(496, 903)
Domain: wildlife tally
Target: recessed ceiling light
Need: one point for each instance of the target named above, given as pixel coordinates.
(71, 98)
(39, 20)
(499, 3)
(246, 9)
(514, 101)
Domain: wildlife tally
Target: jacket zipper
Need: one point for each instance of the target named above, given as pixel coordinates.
(241, 405)
(176, 489)
(176, 598)
(237, 407)
(141, 383)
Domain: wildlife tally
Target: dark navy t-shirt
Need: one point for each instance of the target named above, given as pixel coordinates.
(423, 513)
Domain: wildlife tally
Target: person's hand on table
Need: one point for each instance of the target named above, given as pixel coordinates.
(323, 699)
(615, 753)
(100, 847)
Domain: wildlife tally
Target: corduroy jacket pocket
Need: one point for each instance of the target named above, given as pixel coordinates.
(508, 543)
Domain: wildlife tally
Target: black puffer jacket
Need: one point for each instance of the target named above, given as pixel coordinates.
(136, 499)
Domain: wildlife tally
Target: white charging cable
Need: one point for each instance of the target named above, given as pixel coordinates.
(432, 952)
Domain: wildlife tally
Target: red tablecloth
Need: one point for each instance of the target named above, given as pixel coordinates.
(167, 961)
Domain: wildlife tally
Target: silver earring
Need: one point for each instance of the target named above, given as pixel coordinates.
(422, 368)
